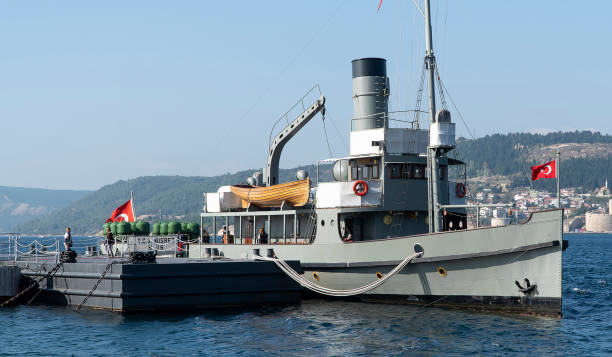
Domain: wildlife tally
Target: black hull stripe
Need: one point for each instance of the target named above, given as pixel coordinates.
(520, 249)
(538, 306)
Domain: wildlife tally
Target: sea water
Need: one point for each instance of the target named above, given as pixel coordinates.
(331, 328)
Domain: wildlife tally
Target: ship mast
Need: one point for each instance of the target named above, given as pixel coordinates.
(432, 151)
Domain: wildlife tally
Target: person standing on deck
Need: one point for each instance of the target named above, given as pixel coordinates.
(109, 243)
(205, 236)
(262, 237)
(67, 239)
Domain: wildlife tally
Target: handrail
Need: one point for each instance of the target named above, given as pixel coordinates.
(286, 115)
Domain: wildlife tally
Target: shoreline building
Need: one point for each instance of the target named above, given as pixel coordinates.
(599, 221)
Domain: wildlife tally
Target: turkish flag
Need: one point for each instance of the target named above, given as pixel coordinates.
(123, 213)
(546, 170)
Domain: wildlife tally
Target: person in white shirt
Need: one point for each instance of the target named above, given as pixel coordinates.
(68, 239)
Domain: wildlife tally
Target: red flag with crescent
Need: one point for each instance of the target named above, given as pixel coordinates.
(123, 213)
(546, 170)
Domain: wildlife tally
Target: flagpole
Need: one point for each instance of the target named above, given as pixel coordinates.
(133, 210)
(558, 178)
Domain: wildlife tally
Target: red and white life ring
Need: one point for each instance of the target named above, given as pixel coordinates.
(360, 188)
(460, 190)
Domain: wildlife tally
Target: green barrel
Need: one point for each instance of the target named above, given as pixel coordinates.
(133, 228)
(124, 228)
(144, 228)
(105, 228)
(156, 227)
(184, 227)
(113, 227)
(193, 229)
(163, 228)
(174, 228)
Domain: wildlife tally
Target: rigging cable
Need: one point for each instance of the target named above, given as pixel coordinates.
(326, 138)
(336, 128)
(285, 68)
(455, 106)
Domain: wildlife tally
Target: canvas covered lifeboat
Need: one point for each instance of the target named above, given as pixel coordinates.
(295, 193)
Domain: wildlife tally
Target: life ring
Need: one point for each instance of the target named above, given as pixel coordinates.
(460, 190)
(363, 188)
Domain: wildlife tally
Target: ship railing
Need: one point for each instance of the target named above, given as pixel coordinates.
(289, 226)
(392, 119)
(477, 207)
(21, 249)
(298, 108)
(7, 245)
(164, 246)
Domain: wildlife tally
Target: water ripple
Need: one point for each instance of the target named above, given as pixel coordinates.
(326, 328)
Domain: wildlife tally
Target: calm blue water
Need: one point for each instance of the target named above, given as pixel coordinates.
(332, 328)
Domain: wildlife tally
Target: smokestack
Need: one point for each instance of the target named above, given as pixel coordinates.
(370, 93)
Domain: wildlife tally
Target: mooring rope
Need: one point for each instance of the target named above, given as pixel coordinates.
(333, 292)
(50, 273)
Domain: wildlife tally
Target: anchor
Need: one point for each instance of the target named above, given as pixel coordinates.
(528, 289)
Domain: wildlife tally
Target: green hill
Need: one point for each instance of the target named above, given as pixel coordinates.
(586, 162)
(176, 196)
(586, 157)
(20, 204)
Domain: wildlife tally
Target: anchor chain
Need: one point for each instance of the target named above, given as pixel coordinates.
(50, 273)
(108, 266)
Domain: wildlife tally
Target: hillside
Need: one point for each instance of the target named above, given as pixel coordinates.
(586, 157)
(20, 204)
(586, 162)
(176, 196)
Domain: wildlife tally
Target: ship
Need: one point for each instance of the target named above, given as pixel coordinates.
(391, 227)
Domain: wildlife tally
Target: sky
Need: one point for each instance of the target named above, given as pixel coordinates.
(95, 92)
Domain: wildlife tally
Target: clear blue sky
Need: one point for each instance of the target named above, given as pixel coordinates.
(94, 92)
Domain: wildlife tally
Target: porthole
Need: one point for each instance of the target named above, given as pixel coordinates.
(322, 222)
(315, 275)
(442, 271)
(379, 275)
(387, 219)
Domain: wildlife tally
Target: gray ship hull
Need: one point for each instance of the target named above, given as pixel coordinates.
(474, 268)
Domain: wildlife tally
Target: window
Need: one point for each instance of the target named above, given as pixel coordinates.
(365, 169)
(419, 171)
(367, 172)
(406, 171)
(395, 171)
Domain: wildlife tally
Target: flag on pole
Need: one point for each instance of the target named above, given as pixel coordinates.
(546, 170)
(379, 5)
(123, 213)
